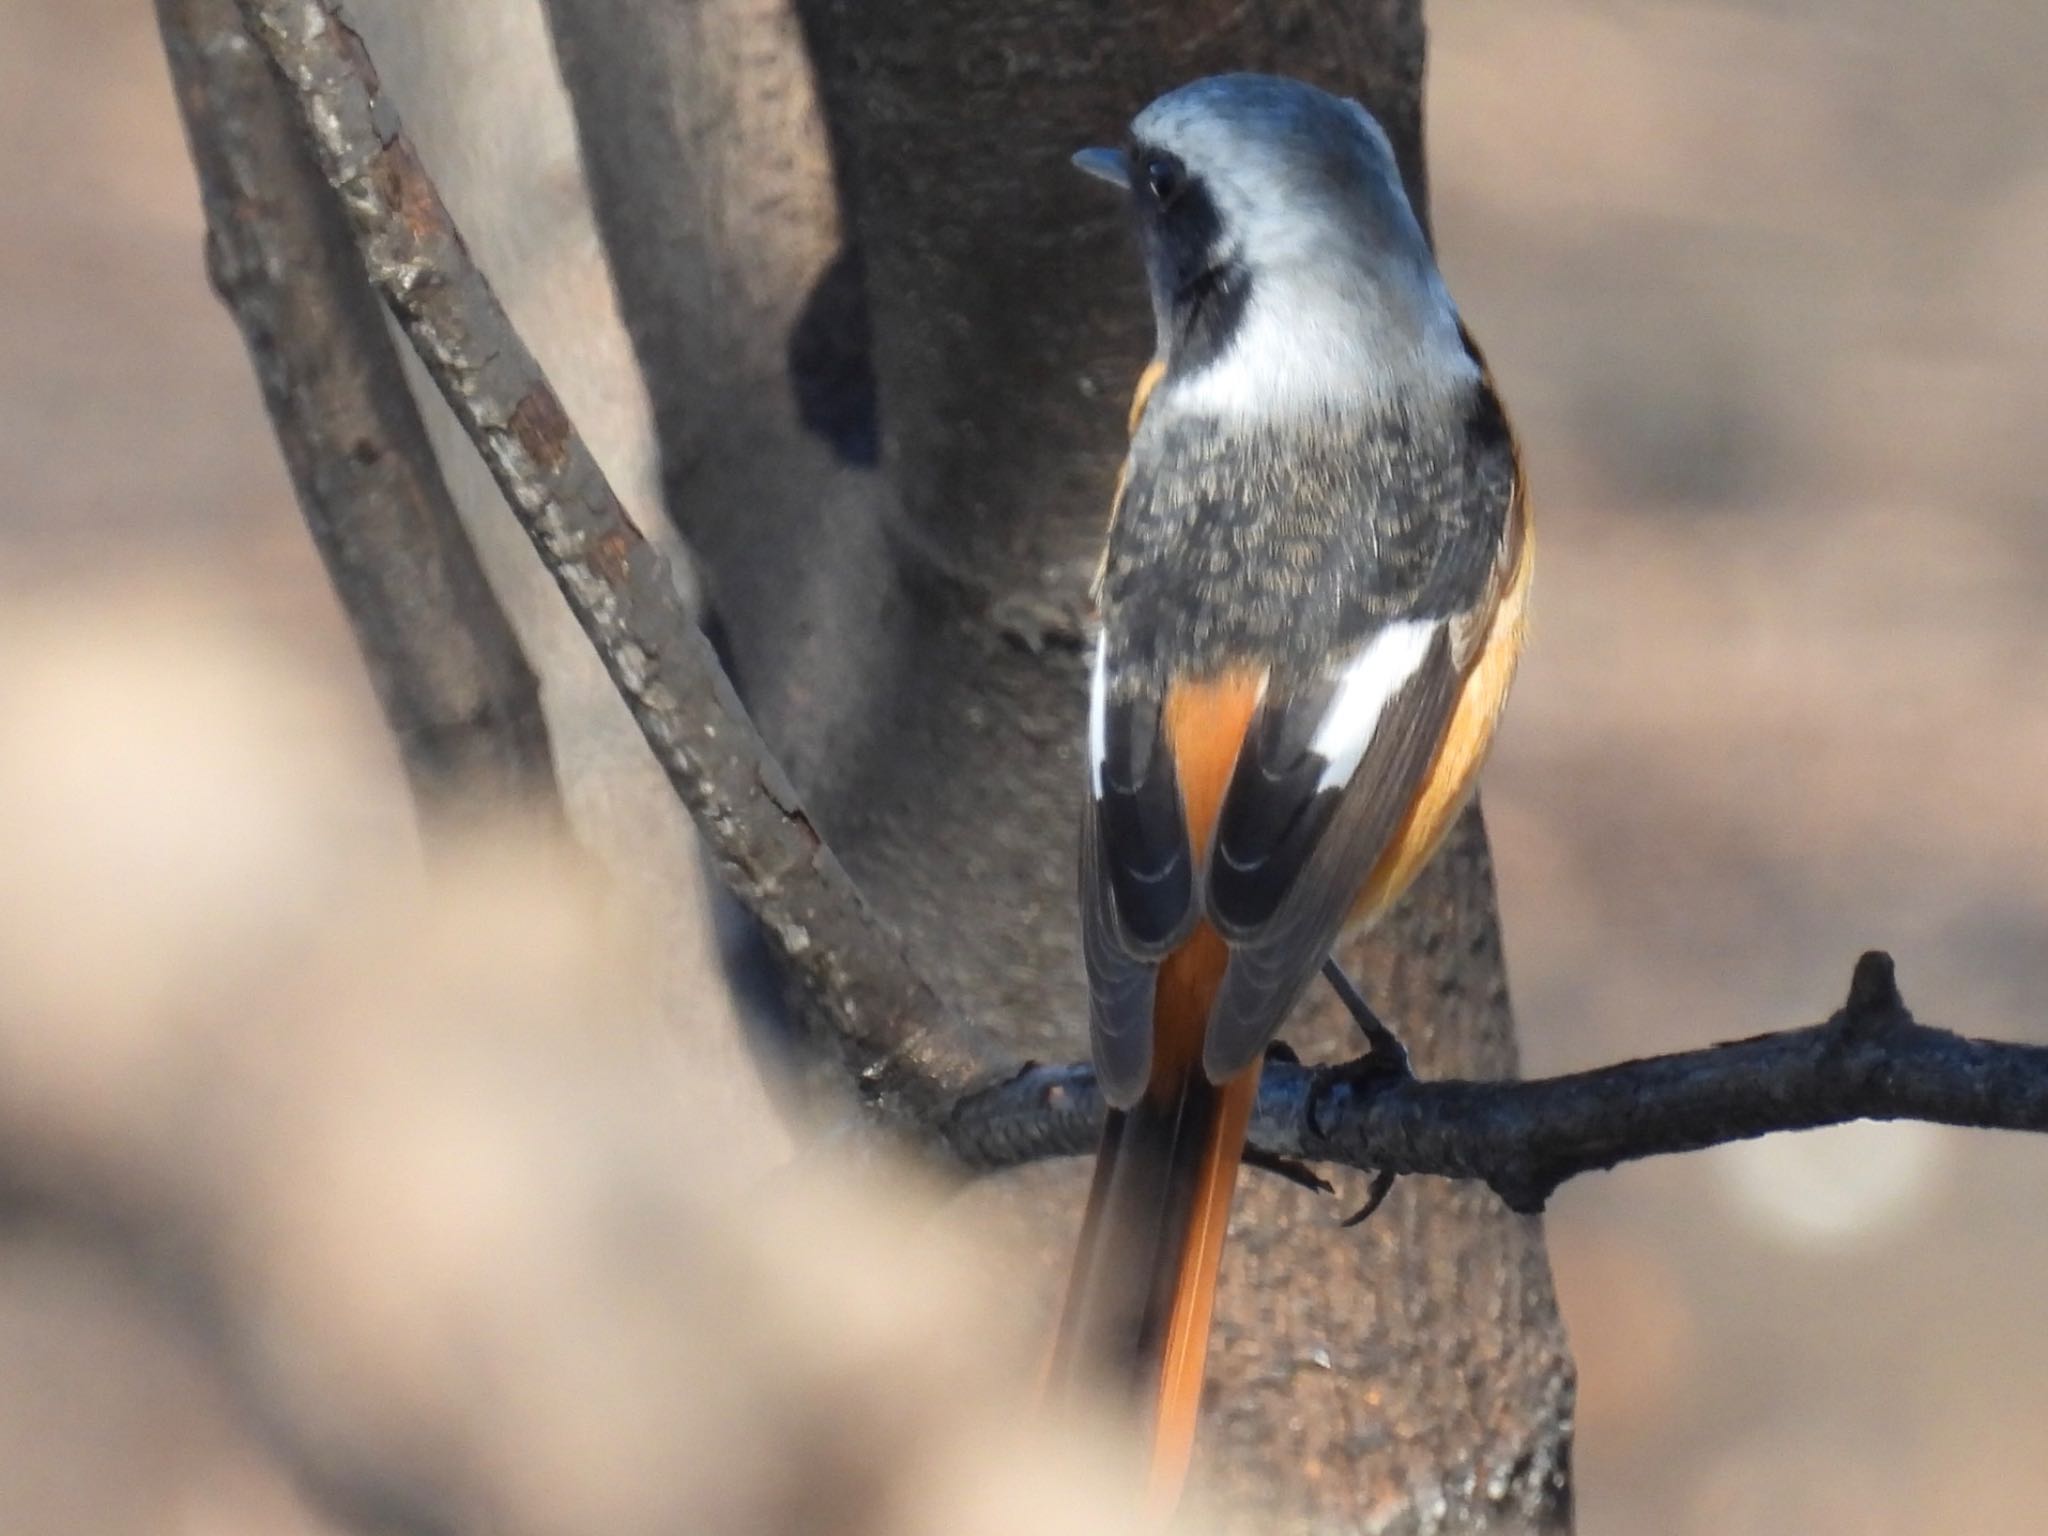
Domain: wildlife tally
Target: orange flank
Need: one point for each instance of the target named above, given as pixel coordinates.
(1147, 382)
(1448, 784)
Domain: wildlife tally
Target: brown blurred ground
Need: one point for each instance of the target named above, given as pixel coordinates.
(1768, 289)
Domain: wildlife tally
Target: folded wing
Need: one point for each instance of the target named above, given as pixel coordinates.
(1138, 896)
(1324, 781)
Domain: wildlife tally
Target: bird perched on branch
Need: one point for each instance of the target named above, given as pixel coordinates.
(1311, 607)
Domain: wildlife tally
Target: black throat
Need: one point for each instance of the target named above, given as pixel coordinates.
(1199, 287)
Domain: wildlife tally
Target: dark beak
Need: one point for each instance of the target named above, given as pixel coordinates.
(1110, 165)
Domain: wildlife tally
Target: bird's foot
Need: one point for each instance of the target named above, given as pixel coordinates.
(1286, 1167)
(1386, 1054)
(1384, 1045)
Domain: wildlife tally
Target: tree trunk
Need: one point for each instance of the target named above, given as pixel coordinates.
(910, 639)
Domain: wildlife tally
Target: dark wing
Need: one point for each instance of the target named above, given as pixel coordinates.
(1137, 881)
(1328, 772)
(1120, 983)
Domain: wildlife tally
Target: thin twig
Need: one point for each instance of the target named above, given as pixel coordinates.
(1871, 1061)
(447, 669)
(862, 997)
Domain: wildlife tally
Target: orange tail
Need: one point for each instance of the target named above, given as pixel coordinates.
(1144, 1281)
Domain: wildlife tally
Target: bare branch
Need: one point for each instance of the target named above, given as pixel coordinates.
(446, 667)
(860, 994)
(1871, 1061)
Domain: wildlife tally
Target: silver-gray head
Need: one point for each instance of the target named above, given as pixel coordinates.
(1286, 265)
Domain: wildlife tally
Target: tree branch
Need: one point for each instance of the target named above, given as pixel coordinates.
(454, 686)
(859, 994)
(1871, 1061)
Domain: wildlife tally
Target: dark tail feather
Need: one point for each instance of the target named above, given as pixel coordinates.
(1144, 1279)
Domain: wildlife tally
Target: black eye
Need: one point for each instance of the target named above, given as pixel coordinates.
(1165, 176)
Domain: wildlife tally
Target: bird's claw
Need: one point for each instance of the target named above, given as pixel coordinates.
(1375, 1197)
(1385, 1047)
(1290, 1170)
(1385, 1055)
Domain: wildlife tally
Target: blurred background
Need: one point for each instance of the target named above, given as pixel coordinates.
(1767, 287)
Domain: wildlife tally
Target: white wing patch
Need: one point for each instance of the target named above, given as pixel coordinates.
(1098, 716)
(1370, 678)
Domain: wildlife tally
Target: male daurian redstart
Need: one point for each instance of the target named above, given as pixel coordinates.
(1311, 606)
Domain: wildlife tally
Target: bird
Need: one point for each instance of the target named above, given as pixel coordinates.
(1311, 605)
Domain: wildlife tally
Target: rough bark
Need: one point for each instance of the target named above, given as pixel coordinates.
(447, 670)
(872, 1012)
(909, 646)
